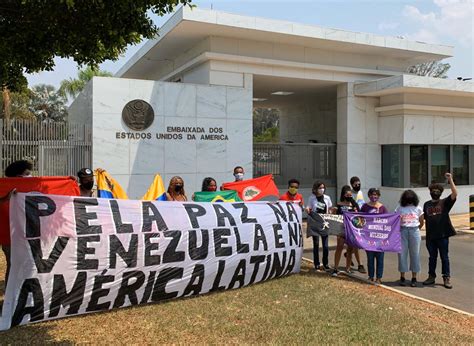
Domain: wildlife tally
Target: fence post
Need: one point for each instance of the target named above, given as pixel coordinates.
(471, 211)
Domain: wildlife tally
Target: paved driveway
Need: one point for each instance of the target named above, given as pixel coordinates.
(462, 271)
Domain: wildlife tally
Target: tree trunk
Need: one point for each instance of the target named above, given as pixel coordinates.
(6, 104)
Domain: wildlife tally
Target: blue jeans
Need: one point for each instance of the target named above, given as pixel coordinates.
(411, 240)
(316, 250)
(433, 246)
(371, 257)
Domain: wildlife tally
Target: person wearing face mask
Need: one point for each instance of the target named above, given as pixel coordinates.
(292, 193)
(358, 196)
(208, 185)
(176, 190)
(17, 169)
(346, 204)
(374, 207)
(239, 173)
(438, 230)
(320, 203)
(86, 182)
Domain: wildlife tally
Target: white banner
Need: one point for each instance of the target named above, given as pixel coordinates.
(74, 255)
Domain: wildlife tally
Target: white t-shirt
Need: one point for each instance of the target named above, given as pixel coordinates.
(409, 215)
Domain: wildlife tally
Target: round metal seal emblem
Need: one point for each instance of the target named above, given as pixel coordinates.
(138, 115)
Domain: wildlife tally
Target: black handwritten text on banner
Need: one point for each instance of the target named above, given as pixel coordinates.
(73, 255)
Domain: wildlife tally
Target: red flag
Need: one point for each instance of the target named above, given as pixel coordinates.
(66, 186)
(253, 189)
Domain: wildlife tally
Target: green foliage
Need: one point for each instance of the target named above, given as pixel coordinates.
(19, 102)
(73, 86)
(90, 32)
(431, 69)
(266, 125)
(270, 135)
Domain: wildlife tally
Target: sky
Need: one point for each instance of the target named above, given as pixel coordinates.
(449, 22)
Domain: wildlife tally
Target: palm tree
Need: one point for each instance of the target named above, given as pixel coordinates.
(72, 87)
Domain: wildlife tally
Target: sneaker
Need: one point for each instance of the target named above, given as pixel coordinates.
(378, 281)
(335, 272)
(402, 281)
(447, 282)
(414, 283)
(371, 279)
(361, 269)
(348, 270)
(326, 268)
(430, 281)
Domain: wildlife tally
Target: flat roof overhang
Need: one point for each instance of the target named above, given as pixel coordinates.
(188, 26)
(414, 84)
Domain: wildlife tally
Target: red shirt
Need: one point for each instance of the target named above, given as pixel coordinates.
(289, 197)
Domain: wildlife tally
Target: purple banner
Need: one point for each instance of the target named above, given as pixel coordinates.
(373, 232)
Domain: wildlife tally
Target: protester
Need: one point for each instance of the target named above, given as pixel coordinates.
(17, 169)
(411, 221)
(346, 204)
(321, 204)
(209, 184)
(356, 192)
(438, 230)
(239, 173)
(176, 190)
(374, 207)
(86, 182)
(292, 193)
(359, 198)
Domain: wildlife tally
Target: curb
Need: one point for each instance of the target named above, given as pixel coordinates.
(447, 307)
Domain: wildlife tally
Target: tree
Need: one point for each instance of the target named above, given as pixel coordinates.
(18, 105)
(72, 87)
(46, 104)
(430, 69)
(90, 32)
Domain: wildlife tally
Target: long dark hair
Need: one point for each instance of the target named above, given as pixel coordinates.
(316, 186)
(206, 182)
(344, 189)
(409, 197)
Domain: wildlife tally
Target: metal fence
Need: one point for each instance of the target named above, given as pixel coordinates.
(306, 162)
(53, 148)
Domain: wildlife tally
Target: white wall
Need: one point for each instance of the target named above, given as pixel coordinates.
(134, 162)
(358, 148)
(390, 197)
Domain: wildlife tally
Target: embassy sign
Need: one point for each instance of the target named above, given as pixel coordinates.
(138, 115)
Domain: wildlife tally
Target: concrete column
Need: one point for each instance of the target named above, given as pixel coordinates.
(358, 151)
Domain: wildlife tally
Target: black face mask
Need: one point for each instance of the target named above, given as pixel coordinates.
(348, 199)
(88, 186)
(178, 188)
(356, 188)
(435, 195)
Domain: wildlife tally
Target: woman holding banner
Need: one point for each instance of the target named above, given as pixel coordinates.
(374, 207)
(345, 204)
(411, 221)
(176, 190)
(321, 204)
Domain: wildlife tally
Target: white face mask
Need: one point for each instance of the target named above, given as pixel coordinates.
(321, 191)
(239, 176)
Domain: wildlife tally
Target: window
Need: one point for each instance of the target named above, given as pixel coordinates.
(461, 164)
(406, 165)
(418, 165)
(439, 163)
(391, 165)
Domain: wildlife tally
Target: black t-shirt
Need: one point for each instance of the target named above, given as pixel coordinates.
(352, 208)
(438, 223)
(321, 207)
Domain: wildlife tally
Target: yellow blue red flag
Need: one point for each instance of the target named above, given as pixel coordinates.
(108, 187)
(156, 191)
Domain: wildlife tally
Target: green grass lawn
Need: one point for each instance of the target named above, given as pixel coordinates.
(304, 308)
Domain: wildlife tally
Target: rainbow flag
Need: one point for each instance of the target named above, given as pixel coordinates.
(156, 191)
(108, 187)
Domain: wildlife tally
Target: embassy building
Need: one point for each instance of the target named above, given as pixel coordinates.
(183, 105)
